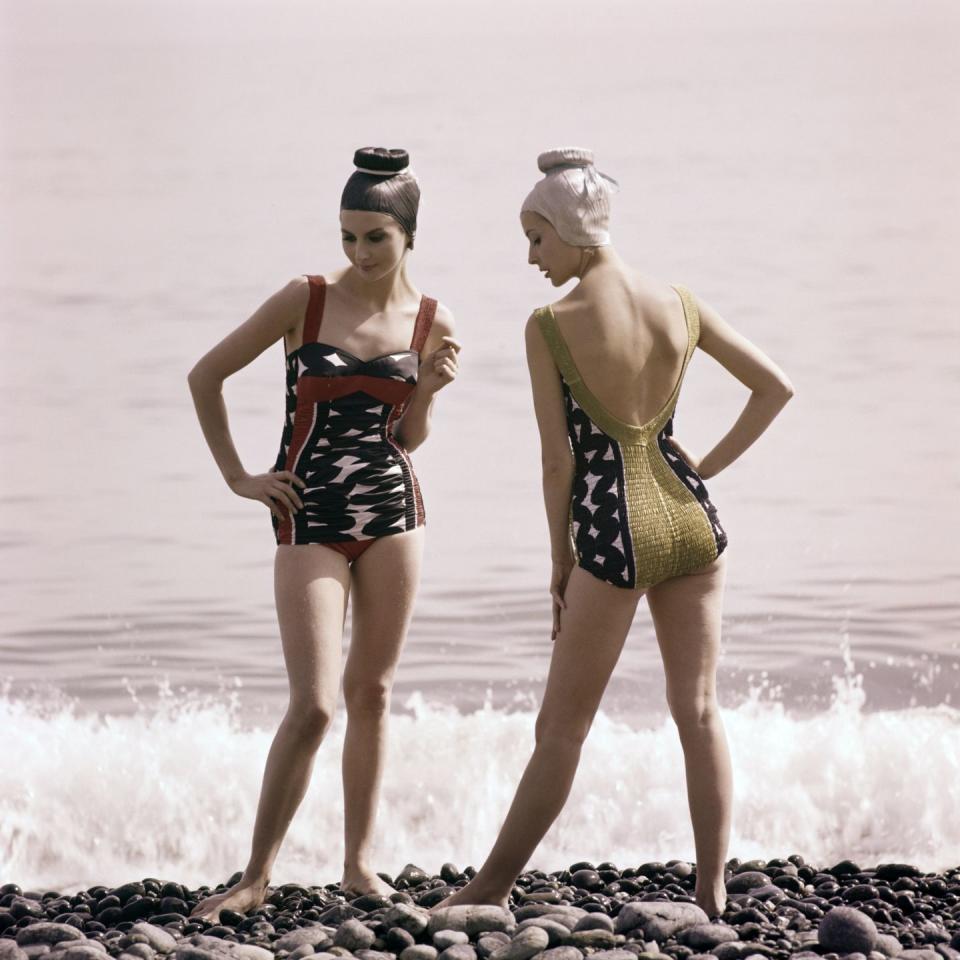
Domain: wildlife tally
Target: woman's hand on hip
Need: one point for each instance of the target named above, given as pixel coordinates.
(440, 367)
(275, 488)
(691, 461)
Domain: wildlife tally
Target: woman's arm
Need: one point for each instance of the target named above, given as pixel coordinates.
(768, 384)
(437, 370)
(280, 313)
(556, 460)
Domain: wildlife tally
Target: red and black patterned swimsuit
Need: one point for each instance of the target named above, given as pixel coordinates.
(338, 437)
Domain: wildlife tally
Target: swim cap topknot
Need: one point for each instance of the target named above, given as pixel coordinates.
(574, 196)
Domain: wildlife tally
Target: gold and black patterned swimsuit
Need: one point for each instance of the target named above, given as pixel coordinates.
(639, 513)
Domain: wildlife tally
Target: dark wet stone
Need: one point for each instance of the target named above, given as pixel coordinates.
(434, 896)
(338, 913)
(844, 868)
(586, 879)
(449, 873)
(860, 892)
(846, 930)
(747, 915)
(25, 907)
(747, 880)
(129, 890)
(894, 871)
(369, 902)
(411, 876)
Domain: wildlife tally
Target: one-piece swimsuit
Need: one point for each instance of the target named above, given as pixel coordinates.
(639, 513)
(338, 437)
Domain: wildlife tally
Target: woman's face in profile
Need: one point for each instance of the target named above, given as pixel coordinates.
(557, 260)
(373, 242)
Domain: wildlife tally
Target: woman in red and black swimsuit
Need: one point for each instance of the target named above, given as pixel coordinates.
(365, 355)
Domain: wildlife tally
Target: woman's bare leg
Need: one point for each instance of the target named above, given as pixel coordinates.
(385, 582)
(593, 629)
(686, 614)
(311, 585)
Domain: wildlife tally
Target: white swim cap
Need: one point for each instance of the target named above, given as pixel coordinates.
(574, 196)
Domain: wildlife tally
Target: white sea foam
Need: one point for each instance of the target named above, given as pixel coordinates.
(171, 791)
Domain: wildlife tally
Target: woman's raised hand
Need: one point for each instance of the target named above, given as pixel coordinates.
(440, 367)
(275, 488)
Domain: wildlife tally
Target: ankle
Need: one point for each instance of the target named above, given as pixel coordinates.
(255, 879)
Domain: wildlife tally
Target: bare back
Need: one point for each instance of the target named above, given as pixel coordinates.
(628, 336)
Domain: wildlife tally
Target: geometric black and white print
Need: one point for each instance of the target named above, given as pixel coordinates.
(692, 481)
(601, 530)
(359, 481)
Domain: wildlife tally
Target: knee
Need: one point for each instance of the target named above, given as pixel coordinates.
(566, 732)
(692, 712)
(311, 721)
(367, 696)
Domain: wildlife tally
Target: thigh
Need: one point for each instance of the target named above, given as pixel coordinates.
(686, 614)
(311, 587)
(593, 628)
(384, 585)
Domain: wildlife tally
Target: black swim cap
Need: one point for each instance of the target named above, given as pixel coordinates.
(384, 183)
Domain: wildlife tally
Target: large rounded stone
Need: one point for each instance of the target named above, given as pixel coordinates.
(93, 950)
(471, 919)
(524, 945)
(658, 919)
(352, 935)
(447, 938)
(10, 951)
(161, 940)
(250, 951)
(703, 937)
(318, 935)
(846, 930)
(459, 951)
(419, 951)
(888, 945)
(560, 953)
(594, 921)
(47, 932)
(558, 933)
(408, 917)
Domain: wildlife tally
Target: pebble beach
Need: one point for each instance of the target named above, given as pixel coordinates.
(776, 909)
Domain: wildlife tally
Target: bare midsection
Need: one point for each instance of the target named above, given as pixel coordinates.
(630, 353)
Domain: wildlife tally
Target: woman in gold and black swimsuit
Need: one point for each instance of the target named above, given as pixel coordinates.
(627, 509)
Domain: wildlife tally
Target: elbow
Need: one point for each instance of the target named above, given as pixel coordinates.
(778, 391)
(784, 390)
(200, 380)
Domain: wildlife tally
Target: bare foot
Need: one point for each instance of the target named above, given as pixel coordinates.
(712, 901)
(471, 894)
(364, 882)
(242, 897)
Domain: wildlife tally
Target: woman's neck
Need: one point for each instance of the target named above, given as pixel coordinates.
(381, 295)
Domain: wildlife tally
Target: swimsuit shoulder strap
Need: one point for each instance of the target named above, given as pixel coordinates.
(557, 345)
(421, 329)
(314, 314)
(692, 315)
